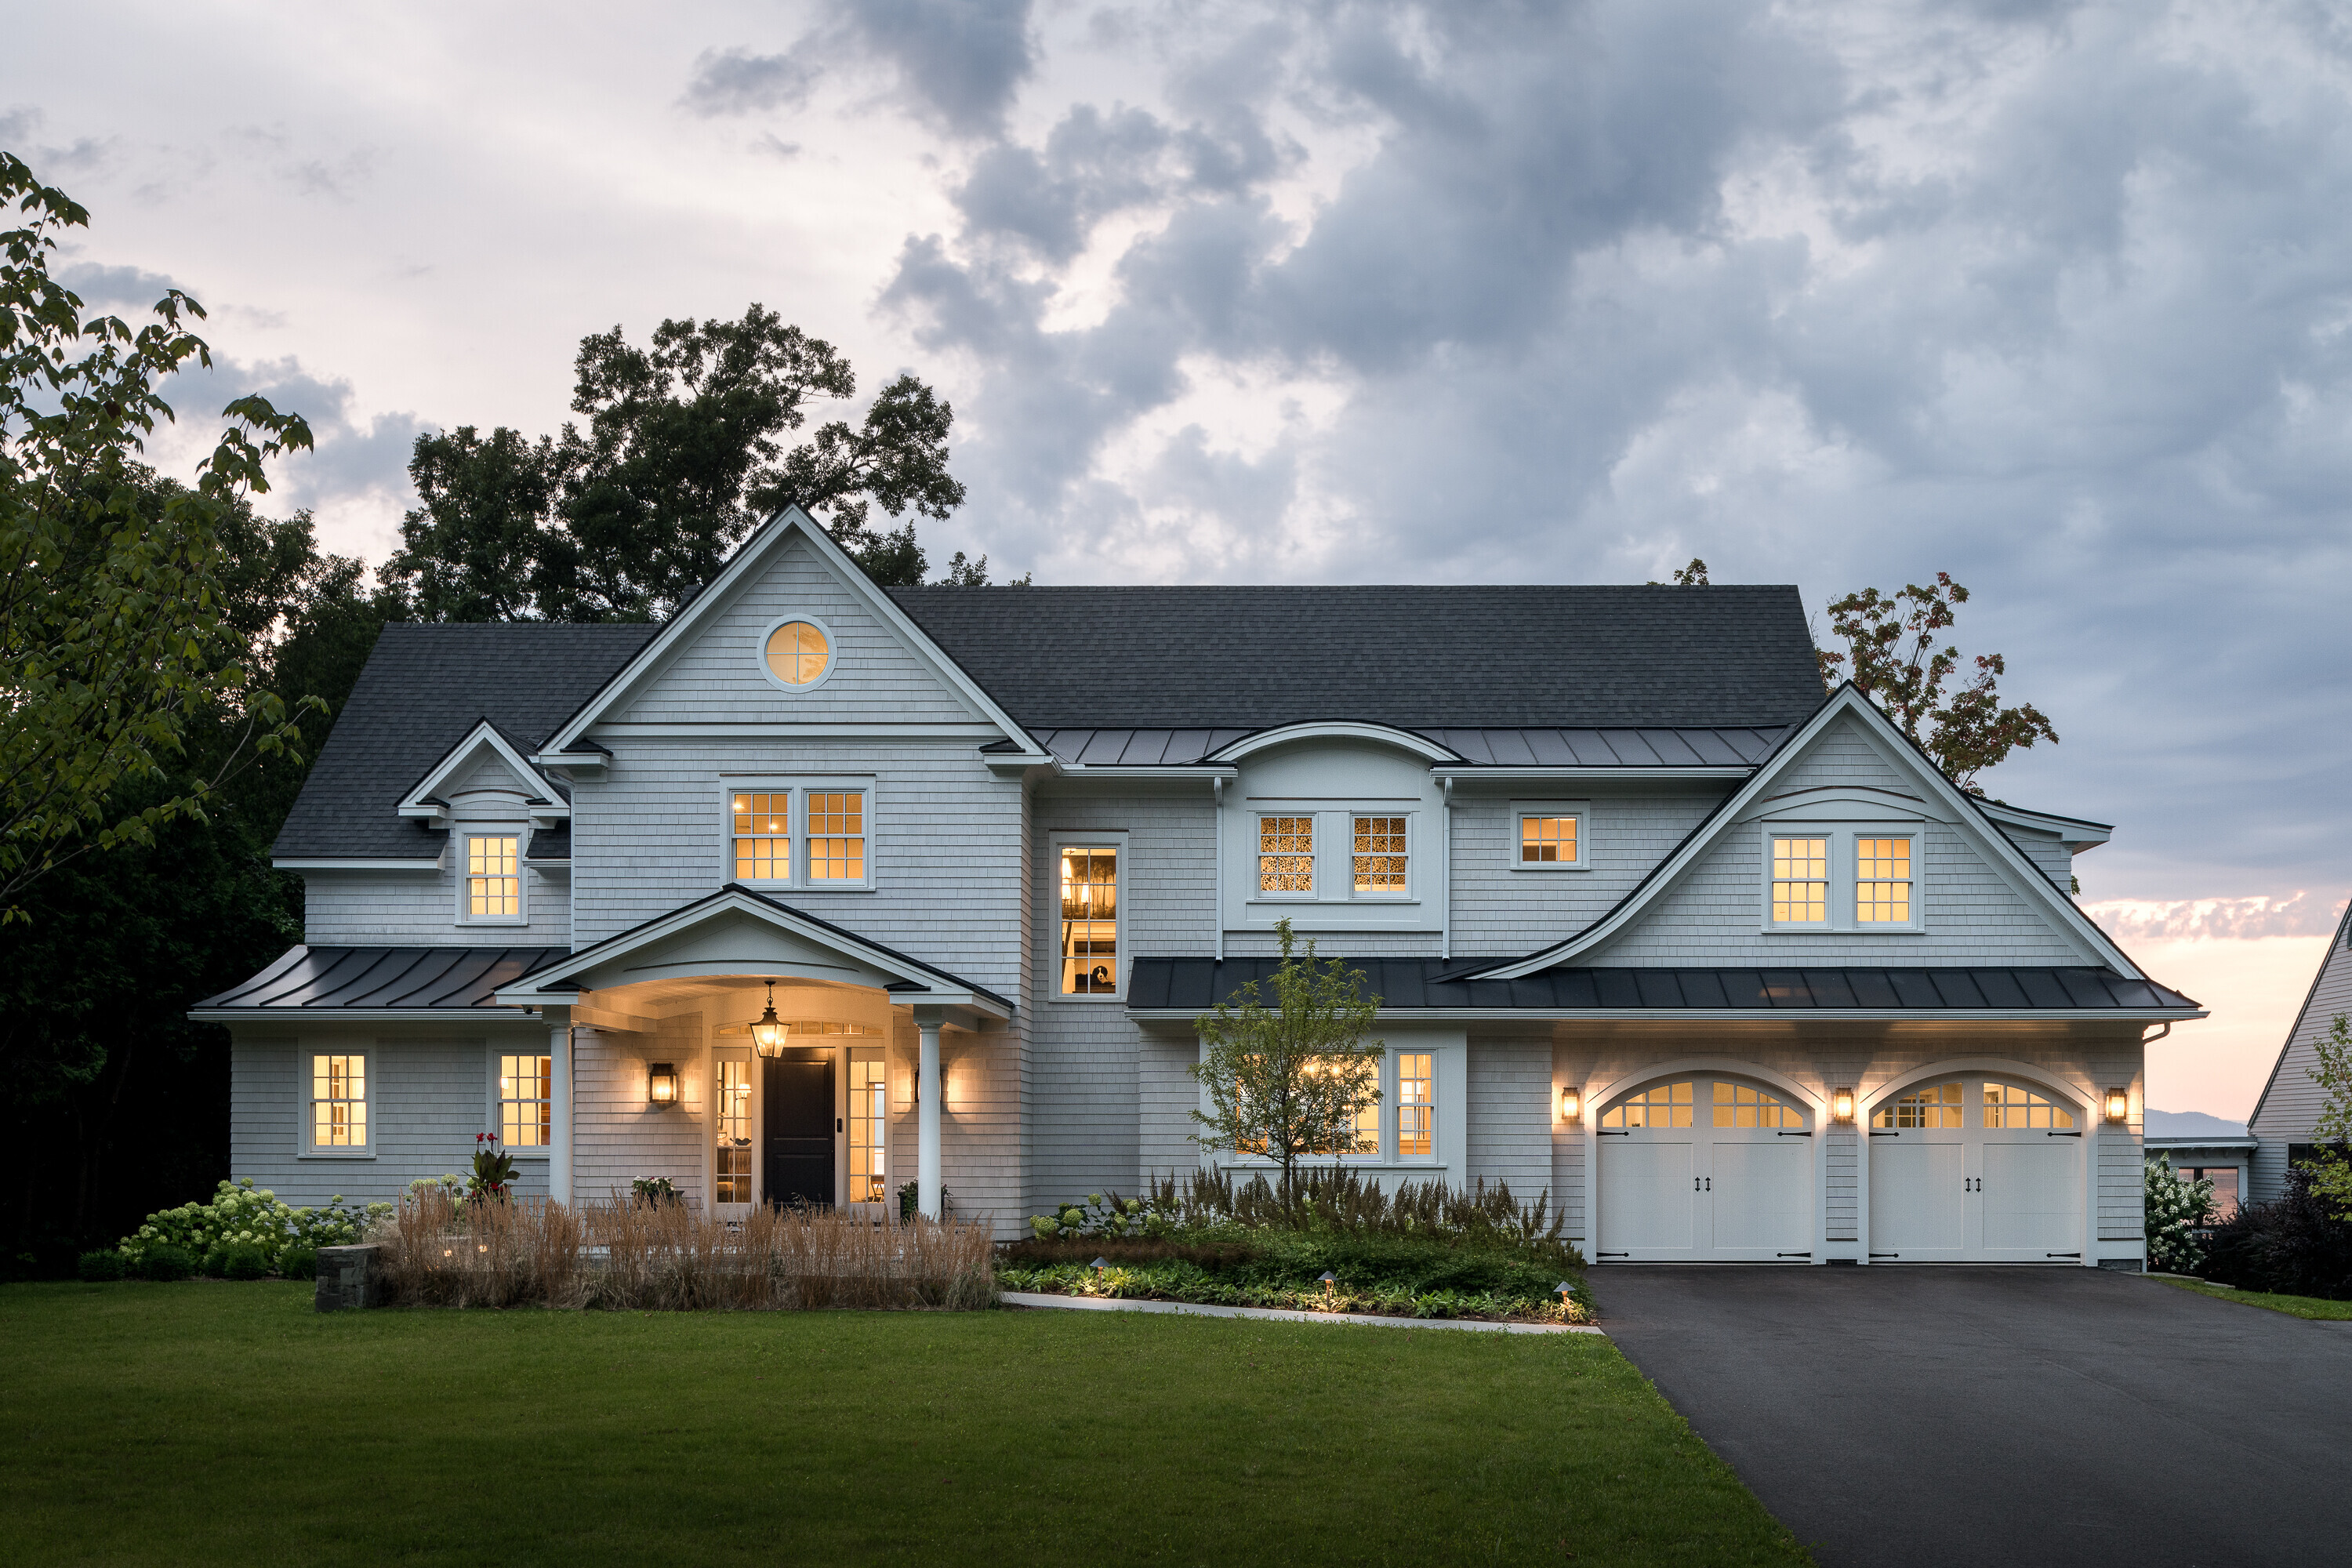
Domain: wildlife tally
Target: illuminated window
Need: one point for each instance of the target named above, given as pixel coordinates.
(2009, 1106)
(1737, 1105)
(527, 1101)
(1661, 1104)
(1547, 840)
(1379, 854)
(1882, 881)
(836, 837)
(870, 1109)
(1090, 921)
(1285, 854)
(731, 1130)
(763, 843)
(339, 1113)
(1936, 1107)
(1801, 881)
(1416, 1105)
(1364, 1137)
(797, 653)
(493, 877)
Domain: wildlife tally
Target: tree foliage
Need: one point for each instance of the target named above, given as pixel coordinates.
(1288, 1079)
(683, 446)
(114, 625)
(1894, 656)
(2331, 1172)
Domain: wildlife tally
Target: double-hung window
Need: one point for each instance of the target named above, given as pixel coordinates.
(1416, 1103)
(1882, 881)
(816, 836)
(1863, 877)
(1379, 855)
(491, 890)
(1801, 881)
(525, 1102)
(1285, 857)
(837, 835)
(763, 835)
(1089, 923)
(338, 1102)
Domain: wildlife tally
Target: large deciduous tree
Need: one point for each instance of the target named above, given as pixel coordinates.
(115, 626)
(1895, 658)
(683, 446)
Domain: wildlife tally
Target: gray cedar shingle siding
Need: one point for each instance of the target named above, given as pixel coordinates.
(2291, 1101)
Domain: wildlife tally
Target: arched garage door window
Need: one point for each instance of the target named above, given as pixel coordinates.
(1976, 1170)
(1705, 1169)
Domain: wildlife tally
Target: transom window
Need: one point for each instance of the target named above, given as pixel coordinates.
(869, 1110)
(763, 838)
(731, 1130)
(527, 1101)
(1416, 1105)
(1660, 1105)
(493, 876)
(1882, 881)
(1285, 854)
(339, 1113)
(1379, 855)
(1090, 921)
(836, 837)
(1801, 881)
(2008, 1106)
(1742, 1105)
(1934, 1108)
(1547, 840)
(798, 653)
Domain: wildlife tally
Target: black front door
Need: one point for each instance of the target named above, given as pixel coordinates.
(799, 1091)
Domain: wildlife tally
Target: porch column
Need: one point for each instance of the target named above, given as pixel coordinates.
(926, 1117)
(559, 1153)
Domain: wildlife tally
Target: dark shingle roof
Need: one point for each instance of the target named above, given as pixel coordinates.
(1195, 985)
(423, 688)
(324, 978)
(1574, 656)
(1545, 747)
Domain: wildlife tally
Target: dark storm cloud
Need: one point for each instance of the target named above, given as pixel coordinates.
(736, 81)
(959, 62)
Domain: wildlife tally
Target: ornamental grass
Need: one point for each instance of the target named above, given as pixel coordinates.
(438, 1250)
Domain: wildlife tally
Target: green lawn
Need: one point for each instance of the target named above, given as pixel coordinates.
(2317, 1307)
(209, 1422)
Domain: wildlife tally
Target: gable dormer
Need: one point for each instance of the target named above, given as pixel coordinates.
(485, 775)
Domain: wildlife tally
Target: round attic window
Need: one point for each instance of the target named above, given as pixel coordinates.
(799, 653)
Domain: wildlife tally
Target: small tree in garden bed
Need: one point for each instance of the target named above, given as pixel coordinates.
(2177, 1208)
(1288, 1081)
(2331, 1172)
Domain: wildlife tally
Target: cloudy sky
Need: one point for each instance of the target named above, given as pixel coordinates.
(2056, 297)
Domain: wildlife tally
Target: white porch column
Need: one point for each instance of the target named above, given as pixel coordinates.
(926, 1117)
(559, 1154)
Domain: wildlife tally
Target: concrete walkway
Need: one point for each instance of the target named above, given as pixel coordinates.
(1933, 1416)
(1278, 1314)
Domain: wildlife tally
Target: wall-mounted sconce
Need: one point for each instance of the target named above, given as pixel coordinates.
(2118, 1104)
(661, 1085)
(1841, 1106)
(1571, 1102)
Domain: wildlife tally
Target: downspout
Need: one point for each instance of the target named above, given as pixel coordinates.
(1445, 869)
(1217, 855)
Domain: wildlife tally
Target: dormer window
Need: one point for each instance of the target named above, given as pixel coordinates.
(1801, 881)
(492, 889)
(1882, 881)
(1852, 880)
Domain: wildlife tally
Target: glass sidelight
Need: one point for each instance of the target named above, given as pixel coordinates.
(869, 1110)
(732, 1121)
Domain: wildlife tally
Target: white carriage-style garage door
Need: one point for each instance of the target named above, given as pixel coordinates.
(1976, 1170)
(1705, 1170)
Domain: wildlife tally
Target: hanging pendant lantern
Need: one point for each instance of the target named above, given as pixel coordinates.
(770, 1033)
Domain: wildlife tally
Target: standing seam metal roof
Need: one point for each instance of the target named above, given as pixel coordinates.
(328, 978)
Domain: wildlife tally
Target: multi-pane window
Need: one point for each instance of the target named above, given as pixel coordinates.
(869, 1107)
(1090, 921)
(1882, 881)
(2009, 1106)
(493, 876)
(1740, 1105)
(1416, 1105)
(763, 836)
(732, 1125)
(1801, 881)
(1937, 1107)
(527, 1101)
(1364, 1136)
(1285, 854)
(1661, 1104)
(797, 653)
(1547, 840)
(1379, 854)
(339, 1118)
(837, 835)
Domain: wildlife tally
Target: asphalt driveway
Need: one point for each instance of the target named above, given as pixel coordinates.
(1932, 1416)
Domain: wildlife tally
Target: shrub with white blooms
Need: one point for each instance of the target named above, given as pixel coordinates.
(2177, 1208)
(240, 1214)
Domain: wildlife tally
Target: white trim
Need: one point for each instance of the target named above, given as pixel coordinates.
(1471, 772)
(306, 1055)
(462, 841)
(832, 653)
(623, 730)
(2000, 852)
(1114, 839)
(494, 1107)
(788, 524)
(1581, 810)
(304, 863)
(551, 804)
(797, 788)
(1332, 729)
(1751, 1016)
(2074, 833)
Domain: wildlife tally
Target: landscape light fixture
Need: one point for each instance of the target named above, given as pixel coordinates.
(1571, 1102)
(1842, 1105)
(2118, 1104)
(769, 1035)
(1566, 1293)
(661, 1085)
(1331, 1282)
(1099, 1265)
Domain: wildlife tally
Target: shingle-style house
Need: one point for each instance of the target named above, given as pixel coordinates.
(2290, 1103)
(1725, 966)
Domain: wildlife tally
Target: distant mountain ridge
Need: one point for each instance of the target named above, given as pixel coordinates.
(2188, 1124)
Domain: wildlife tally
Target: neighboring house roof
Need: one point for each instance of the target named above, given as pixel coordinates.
(1249, 658)
(424, 690)
(1191, 985)
(2339, 952)
(1542, 746)
(373, 979)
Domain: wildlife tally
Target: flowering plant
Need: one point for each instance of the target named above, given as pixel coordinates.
(2178, 1209)
(494, 1169)
(240, 1215)
(652, 1190)
(1113, 1216)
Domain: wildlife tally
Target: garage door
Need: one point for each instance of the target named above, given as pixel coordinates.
(1975, 1170)
(1705, 1170)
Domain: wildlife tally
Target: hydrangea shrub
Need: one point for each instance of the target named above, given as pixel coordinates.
(2178, 1209)
(241, 1216)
